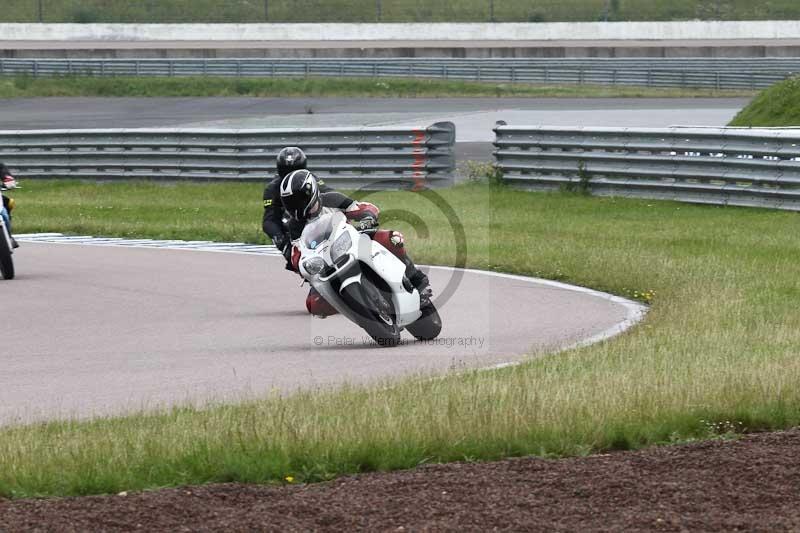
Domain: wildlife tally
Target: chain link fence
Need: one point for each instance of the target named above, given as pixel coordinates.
(242, 11)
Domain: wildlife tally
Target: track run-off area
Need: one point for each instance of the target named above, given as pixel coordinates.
(108, 327)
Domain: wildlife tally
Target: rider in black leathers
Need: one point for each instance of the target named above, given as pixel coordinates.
(283, 229)
(290, 159)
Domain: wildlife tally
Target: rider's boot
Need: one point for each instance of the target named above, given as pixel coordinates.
(8, 203)
(419, 280)
(14, 243)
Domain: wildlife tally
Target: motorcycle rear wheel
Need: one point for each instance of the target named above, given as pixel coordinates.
(6, 263)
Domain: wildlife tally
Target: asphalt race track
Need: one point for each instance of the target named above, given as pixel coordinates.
(106, 330)
(474, 117)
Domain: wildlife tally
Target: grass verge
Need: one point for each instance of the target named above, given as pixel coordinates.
(85, 11)
(775, 106)
(716, 354)
(25, 86)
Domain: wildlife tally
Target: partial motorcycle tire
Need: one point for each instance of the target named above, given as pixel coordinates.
(428, 326)
(6, 263)
(375, 311)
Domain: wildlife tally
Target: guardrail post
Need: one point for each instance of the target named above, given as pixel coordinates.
(580, 76)
(546, 75)
(35, 69)
(238, 68)
(307, 70)
(205, 67)
(171, 68)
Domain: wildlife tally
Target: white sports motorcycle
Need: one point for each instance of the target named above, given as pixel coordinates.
(364, 281)
(6, 248)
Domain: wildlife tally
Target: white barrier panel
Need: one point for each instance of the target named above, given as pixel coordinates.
(445, 32)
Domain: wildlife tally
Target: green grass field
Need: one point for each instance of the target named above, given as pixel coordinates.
(391, 10)
(27, 87)
(716, 355)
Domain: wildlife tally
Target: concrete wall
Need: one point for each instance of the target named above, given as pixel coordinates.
(588, 31)
(422, 52)
(590, 39)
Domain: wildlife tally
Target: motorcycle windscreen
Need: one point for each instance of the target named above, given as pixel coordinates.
(317, 231)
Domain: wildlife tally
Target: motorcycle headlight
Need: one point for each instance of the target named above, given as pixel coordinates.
(341, 245)
(314, 265)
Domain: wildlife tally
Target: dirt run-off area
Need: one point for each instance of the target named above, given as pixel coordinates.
(751, 483)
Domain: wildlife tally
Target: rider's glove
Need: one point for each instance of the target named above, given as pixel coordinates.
(366, 223)
(280, 241)
(363, 215)
(9, 182)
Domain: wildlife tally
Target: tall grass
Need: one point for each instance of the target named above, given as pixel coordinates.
(717, 352)
(26, 87)
(391, 10)
(778, 105)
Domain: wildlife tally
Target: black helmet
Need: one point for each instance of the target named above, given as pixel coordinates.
(290, 159)
(300, 194)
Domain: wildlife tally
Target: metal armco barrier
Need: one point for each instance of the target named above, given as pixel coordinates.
(390, 157)
(725, 166)
(715, 73)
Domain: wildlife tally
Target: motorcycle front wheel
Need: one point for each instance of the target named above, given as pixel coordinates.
(375, 310)
(428, 326)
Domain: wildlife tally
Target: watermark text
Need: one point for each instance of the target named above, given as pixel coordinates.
(446, 342)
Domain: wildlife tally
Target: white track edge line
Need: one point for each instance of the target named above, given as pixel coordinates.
(635, 311)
